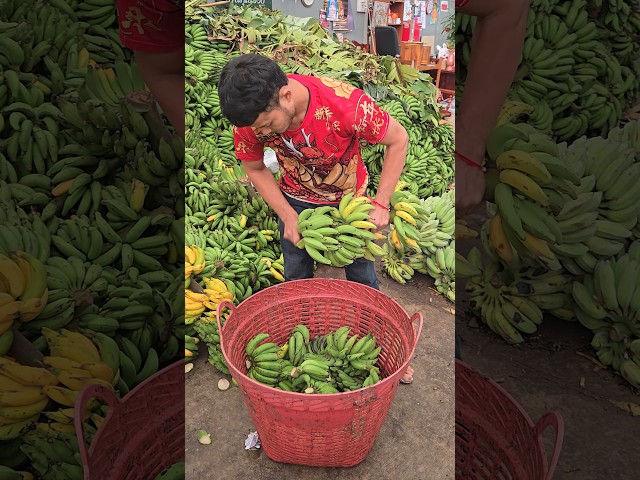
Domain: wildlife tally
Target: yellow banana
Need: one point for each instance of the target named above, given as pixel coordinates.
(406, 207)
(64, 396)
(28, 375)
(538, 246)
(13, 275)
(276, 274)
(353, 204)
(62, 363)
(189, 255)
(406, 217)
(499, 240)
(524, 162)
(525, 184)
(21, 397)
(24, 412)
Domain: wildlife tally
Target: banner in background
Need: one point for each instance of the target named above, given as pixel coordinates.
(257, 3)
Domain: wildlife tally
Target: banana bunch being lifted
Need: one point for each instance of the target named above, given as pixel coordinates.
(338, 236)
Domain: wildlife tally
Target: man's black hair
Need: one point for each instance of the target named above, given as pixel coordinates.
(249, 85)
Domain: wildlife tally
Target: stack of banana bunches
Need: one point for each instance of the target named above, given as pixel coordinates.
(90, 265)
(562, 240)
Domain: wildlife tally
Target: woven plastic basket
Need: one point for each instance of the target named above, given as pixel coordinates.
(495, 438)
(330, 430)
(143, 433)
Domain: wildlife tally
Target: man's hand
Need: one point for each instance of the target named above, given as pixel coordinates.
(470, 188)
(379, 216)
(291, 231)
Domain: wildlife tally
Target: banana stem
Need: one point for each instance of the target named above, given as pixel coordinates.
(24, 351)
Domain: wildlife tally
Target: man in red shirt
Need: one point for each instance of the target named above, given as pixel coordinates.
(314, 125)
(154, 30)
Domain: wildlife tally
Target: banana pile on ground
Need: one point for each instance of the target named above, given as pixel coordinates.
(232, 225)
(328, 363)
(562, 205)
(338, 236)
(421, 239)
(578, 204)
(512, 303)
(44, 397)
(608, 304)
(579, 69)
(89, 176)
(206, 328)
(199, 298)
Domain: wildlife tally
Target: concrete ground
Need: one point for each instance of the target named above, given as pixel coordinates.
(416, 441)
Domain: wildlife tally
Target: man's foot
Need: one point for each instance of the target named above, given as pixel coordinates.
(408, 376)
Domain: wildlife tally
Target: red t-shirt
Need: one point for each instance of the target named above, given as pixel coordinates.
(151, 25)
(320, 161)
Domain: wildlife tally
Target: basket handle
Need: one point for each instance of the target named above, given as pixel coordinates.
(88, 393)
(551, 419)
(417, 316)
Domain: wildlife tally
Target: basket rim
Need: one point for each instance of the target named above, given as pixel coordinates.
(393, 377)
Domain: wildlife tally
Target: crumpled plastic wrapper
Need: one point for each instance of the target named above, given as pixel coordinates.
(252, 442)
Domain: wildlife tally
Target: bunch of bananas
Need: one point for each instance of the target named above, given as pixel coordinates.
(206, 327)
(11, 474)
(338, 236)
(325, 364)
(23, 397)
(196, 302)
(190, 347)
(607, 304)
(23, 293)
(578, 71)
(512, 302)
(193, 261)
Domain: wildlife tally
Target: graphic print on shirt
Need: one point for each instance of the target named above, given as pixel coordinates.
(320, 162)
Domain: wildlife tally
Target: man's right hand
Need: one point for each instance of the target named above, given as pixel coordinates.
(291, 232)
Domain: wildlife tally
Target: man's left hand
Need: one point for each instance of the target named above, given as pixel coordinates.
(379, 216)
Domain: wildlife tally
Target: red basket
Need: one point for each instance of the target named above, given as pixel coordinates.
(143, 433)
(330, 430)
(495, 438)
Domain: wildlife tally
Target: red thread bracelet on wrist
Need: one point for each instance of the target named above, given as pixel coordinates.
(379, 204)
(469, 162)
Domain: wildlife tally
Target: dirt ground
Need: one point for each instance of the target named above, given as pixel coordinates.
(415, 442)
(555, 370)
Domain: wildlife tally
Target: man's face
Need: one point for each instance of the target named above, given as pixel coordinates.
(276, 121)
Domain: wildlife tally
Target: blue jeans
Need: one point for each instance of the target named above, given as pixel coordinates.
(298, 264)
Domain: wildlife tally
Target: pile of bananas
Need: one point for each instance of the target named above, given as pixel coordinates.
(421, 239)
(579, 69)
(232, 225)
(512, 303)
(607, 304)
(206, 328)
(328, 363)
(89, 176)
(338, 236)
(562, 238)
(23, 293)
